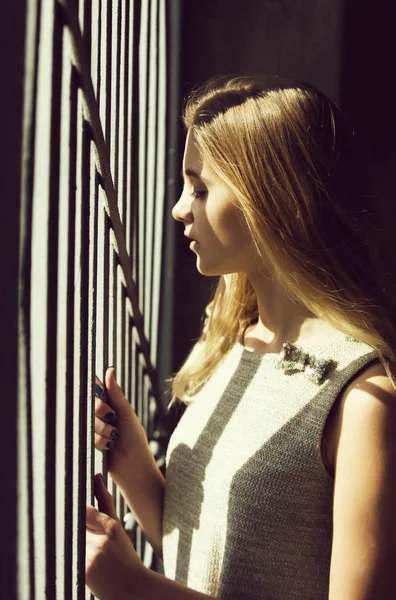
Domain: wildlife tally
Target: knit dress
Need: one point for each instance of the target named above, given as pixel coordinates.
(248, 501)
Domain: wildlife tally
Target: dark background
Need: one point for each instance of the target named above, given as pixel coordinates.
(346, 48)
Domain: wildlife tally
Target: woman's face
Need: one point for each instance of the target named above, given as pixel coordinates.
(219, 238)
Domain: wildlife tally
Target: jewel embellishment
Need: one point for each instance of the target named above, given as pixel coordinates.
(315, 366)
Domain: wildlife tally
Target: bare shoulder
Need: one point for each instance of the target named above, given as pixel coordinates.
(369, 399)
(364, 537)
(372, 378)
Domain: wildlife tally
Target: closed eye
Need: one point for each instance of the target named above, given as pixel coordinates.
(196, 194)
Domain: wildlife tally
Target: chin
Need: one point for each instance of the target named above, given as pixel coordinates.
(212, 270)
(206, 270)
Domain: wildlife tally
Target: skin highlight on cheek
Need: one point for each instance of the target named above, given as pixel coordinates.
(211, 219)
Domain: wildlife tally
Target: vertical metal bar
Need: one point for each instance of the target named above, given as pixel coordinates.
(112, 357)
(105, 66)
(92, 291)
(160, 178)
(123, 113)
(106, 291)
(134, 361)
(151, 162)
(133, 159)
(83, 199)
(139, 410)
(143, 124)
(129, 123)
(25, 579)
(123, 352)
(96, 9)
(128, 350)
(108, 47)
(96, 56)
(135, 243)
(100, 299)
(102, 55)
(115, 43)
(165, 350)
(86, 7)
(76, 355)
(41, 302)
(138, 397)
(66, 156)
(52, 304)
(69, 508)
(119, 341)
(122, 358)
(113, 316)
(80, 340)
(101, 302)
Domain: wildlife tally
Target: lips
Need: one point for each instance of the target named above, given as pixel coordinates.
(189, 237)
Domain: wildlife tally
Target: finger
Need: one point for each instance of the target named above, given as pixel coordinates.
(99, 388)
(95, 520)
(104, 411)
(106, 430)
(104, 498)
(110, 382)
(115, 395)
(103, 443)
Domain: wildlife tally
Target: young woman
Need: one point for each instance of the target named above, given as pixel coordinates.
(281, 475)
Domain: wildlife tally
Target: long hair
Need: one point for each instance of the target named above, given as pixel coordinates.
(295, 169)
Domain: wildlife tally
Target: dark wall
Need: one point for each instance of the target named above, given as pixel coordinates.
(344, 47)
(367, 90)
(300, 38)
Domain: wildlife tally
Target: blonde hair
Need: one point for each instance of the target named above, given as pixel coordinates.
(293, 165)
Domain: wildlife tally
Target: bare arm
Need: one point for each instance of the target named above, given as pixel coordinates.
(143, 487)
(155, 586)
(364, 540)
(113, 569)
(130, 461)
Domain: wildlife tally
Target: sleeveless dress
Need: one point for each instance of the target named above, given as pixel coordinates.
(248, 500)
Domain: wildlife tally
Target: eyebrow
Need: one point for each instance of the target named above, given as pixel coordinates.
(191, 173)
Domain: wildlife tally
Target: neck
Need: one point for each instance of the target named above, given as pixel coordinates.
(281, 318)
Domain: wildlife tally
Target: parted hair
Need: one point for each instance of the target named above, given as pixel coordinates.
(297, 174)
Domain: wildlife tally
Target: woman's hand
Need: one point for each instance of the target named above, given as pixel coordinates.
(131, 463)
(113, 569)
(117, 428)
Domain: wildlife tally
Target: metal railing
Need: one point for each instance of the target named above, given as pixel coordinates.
(91, 233)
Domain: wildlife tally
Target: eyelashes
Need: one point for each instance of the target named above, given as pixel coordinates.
(198, 194)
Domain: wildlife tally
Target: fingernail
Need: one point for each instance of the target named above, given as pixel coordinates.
(110, 445)
(110, 417)
(115, 434)
(98, 391)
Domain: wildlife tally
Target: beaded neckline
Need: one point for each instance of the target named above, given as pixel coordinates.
(339, 334)
(293, 358)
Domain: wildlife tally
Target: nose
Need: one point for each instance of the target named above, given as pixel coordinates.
(182, 210)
